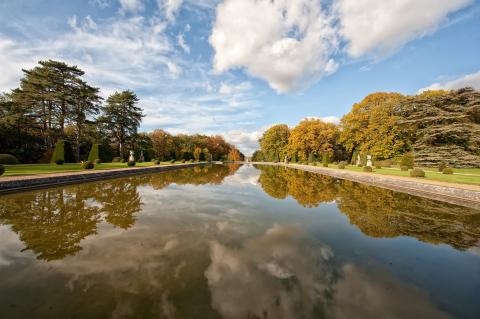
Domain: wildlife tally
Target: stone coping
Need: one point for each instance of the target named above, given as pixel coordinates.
(11, 184)
(453, 193)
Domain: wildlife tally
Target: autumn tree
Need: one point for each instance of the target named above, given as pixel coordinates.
(274, 141)
(312, 136)
(372, 126)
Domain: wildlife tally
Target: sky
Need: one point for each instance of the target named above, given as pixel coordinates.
(236, 67)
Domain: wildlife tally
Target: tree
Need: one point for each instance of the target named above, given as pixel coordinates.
(163, 144)
(197, 153)
(122, 117)
(444, 127)
(274, 141)
(235, 155)
(312, 136)
(372, 127)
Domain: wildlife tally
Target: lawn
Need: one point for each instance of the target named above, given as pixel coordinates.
(461, 175)
(28, 169)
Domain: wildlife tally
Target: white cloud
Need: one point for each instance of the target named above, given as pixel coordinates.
(382, 27)
(326, 119)
(287, 43)
(100, 3)
(246, 142)
(170, 7)
(228, 89)
(181, 43)
(468, 80)
(131, 6)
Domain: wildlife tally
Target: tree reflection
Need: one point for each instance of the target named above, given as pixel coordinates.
(52, 222)
(377, 212)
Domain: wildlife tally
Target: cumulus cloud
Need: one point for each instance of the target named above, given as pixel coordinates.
(246, 142)
(382, 27)
(468, 80)
(289, 44)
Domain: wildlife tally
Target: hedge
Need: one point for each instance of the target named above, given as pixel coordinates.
(8, 159)
(59, 152)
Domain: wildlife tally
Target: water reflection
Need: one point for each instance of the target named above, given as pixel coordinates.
(135, 248)
(377, 212)
(52, 222)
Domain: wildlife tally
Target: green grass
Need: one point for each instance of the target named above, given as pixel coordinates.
(469, 176)
(29, 169)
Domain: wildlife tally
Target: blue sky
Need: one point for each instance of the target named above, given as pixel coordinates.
(235, 67)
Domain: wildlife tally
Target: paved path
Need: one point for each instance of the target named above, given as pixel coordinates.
(15, 183)
(459, 194)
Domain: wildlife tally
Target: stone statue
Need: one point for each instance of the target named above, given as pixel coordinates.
(359, 160)
(285, 160)
(131, 158)
(142, 158)
(369, 161)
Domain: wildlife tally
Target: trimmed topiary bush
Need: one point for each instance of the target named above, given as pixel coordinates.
(8, 159)
(2, 170)
(367, 169)
(59, 152)
(360, 165)
(94, 153)
(342, 166)
(417, 172)
(131, 163)
(190, 161)
(325, 160)
(156, 162)
(98, 161)
(122, 160)
(182, 161)
(447, 170)
(87, 165)
(116, 160)
(442, 166)
(59, 162)
(172, 161)
(404, 168)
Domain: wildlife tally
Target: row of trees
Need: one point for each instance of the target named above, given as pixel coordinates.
(437, 126)
(53, 102)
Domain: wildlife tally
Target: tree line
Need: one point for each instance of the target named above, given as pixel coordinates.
(54, 103)
(434, 126)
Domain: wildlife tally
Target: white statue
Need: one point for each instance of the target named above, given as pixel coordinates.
(359, 160)
(131, 158)
(369, 161)
(285, 160)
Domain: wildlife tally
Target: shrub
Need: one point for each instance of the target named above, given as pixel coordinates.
(404, 168)
(116, 160)
(59, 152)
(98, 161)
(88, 165)
(190, 161)
(122, 160)
(156, 162)
(172, 161)
(59, 162)
(325, 160)
(447, 170)
(182, 161)
(378, 166)
(131, 163)
(8, 159)
(360, 165)
(407, 160)
(367, 169)
(342, 165)
(442, 166)
(94, 153)
(417, 172)
(2, 170)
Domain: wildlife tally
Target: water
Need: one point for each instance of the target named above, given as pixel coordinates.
(236, 242)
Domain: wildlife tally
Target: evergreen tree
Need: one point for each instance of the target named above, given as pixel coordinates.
(122, 117)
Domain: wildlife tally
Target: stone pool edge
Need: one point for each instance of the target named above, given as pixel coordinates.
(13, 184)
(449, 194)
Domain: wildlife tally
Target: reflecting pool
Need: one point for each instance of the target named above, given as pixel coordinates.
(236, 242)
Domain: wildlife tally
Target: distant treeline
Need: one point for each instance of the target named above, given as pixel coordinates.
(54, 103)
(436, 126)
